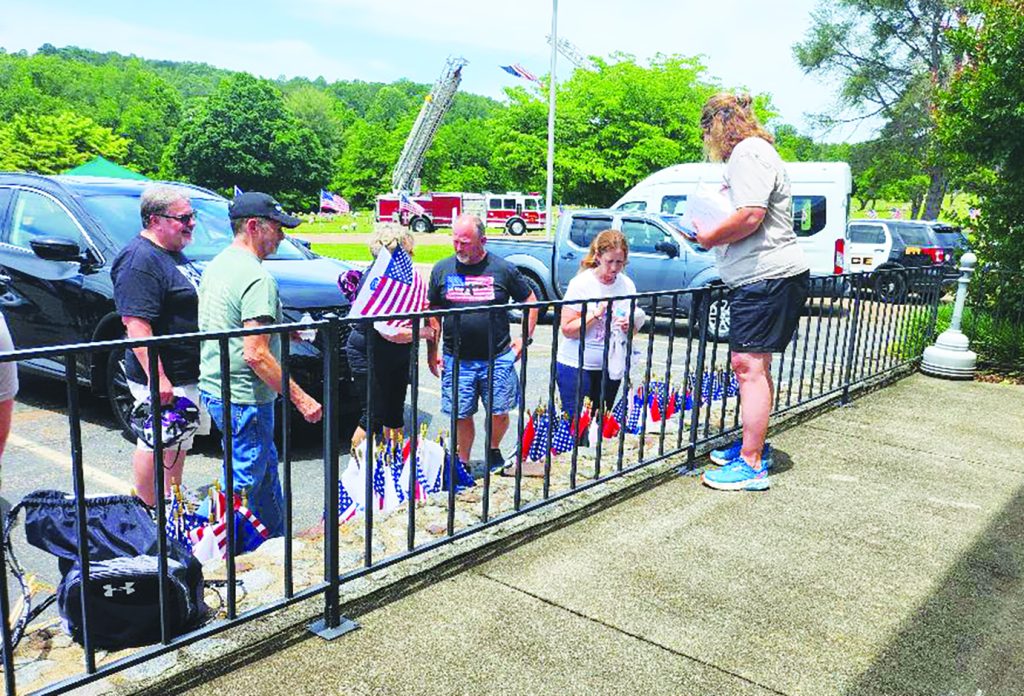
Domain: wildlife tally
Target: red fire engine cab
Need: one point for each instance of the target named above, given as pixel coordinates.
(516, 212)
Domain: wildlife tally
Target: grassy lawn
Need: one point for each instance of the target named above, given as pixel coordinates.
(341, 224)
(361, 252)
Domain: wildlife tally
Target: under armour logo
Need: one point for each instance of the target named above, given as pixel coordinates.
(127, 588)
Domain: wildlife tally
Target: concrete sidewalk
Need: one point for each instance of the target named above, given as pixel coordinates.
(888, 558)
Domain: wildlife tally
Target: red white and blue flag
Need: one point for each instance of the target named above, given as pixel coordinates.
(519, 71)
(408, 205)
(392, 287)
(333, 203)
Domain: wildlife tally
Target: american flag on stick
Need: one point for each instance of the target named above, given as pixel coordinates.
(392, 287)
(519, 71)
(408, 205)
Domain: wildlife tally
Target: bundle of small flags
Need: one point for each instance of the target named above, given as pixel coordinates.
(543, 424)
(389, 476)
(182, 518)
(208, 536)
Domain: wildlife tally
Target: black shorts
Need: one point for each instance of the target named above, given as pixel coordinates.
(390, 385)
(764, 315)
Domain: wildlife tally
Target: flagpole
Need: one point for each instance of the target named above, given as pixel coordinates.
(551, 116)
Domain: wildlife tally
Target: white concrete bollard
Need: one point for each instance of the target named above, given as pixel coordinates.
(950, 356)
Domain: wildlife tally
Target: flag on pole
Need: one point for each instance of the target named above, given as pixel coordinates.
(519, 71)
(408, 205)
(561, 440)
(332, 202)
(528, 435)
(540, 438)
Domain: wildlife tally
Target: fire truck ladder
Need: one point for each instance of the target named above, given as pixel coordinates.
(435, 106)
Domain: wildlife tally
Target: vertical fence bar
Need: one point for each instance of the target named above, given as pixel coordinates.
(453, 454)
(414, 437)
(698, 389)
(556, 324)
(228, 431)
(647, 377)
(603, 389)
(332, 612)
(799, 335)
(10, 683)
(369, 463)
(286, 463)
(687, 385)
(851, 339)
(578, 401)
(78, 478)
(489, 418)
(523, 356)
(817, 338)
(841, 327)
(156, 416)
(716, 296)
(668, 371)
(626, 383)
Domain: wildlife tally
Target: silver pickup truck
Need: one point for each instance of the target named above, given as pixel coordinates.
(660, 257)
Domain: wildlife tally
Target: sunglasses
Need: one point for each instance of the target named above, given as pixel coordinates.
(183, 219)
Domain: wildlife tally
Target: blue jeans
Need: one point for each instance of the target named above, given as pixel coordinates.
(566, 377)
(253, 458)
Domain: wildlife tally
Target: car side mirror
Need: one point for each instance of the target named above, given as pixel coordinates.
(57, 249)
(668, 247)
(303, 242)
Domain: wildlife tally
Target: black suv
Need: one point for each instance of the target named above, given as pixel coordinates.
(58, 238)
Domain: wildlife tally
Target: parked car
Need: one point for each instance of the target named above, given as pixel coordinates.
(879, 244)
(58, 238)
(660, 257)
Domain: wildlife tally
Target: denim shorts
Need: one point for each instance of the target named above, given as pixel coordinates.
(473, 385)
(253, 458)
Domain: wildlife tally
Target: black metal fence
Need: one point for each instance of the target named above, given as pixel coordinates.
(847, 339)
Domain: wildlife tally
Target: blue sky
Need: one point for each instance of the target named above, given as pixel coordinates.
(744, 43)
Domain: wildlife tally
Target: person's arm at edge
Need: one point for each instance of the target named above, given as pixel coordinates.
(137, 327)
(742, 223)
(258, 356)
(531, 324)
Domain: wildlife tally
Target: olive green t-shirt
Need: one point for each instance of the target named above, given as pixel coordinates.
(235, 288)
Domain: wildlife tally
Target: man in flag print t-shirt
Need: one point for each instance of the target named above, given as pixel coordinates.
(474, 278)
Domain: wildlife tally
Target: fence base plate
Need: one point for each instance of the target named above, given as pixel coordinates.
(320, 628)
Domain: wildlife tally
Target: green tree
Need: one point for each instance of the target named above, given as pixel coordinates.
(616, 123)
(890, 57)
(981, 123)
(244, 135)
(52, 143)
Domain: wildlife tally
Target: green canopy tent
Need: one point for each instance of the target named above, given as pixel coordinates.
(101, 166)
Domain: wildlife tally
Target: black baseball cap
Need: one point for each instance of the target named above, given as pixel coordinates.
(254, 204)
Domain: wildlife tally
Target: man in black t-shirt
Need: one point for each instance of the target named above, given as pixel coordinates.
(474, 278)
(155, 292)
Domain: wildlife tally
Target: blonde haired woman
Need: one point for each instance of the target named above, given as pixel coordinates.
(600, 275)
(766, 272)
(391, 351)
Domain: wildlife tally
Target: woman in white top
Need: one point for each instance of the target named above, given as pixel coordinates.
(600, 276)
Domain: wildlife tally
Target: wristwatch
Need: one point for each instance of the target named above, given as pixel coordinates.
(528, 341)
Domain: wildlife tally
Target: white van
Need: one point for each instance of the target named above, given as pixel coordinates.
(821, 203)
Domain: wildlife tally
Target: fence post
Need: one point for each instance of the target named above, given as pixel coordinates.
(332, 625)
(857, 282)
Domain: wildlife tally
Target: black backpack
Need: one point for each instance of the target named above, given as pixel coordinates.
(124, 572)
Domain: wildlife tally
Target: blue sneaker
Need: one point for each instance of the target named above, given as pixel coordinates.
(731, 453)
(737, 476)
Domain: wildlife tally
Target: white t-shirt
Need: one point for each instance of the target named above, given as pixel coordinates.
(587, 286)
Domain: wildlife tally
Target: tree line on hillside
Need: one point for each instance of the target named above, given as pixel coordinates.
(617, 123)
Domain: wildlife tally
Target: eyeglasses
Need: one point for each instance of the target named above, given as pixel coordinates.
(183, 219)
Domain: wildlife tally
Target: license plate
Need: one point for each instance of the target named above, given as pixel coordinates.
(913, 250)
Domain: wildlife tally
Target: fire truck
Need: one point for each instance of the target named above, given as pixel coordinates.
(516, 212)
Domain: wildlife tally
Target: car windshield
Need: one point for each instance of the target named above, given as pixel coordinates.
(914, 235)
(119, 216)
(950, 237)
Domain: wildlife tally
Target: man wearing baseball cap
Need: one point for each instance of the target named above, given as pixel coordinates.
(236, 292)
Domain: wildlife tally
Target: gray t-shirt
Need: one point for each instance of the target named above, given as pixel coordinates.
(756, 178)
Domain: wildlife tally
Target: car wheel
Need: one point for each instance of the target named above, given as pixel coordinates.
(890, 288)
(120, 398)
(517, 316)
(516, 227)
(421, 225)
(718, 316)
